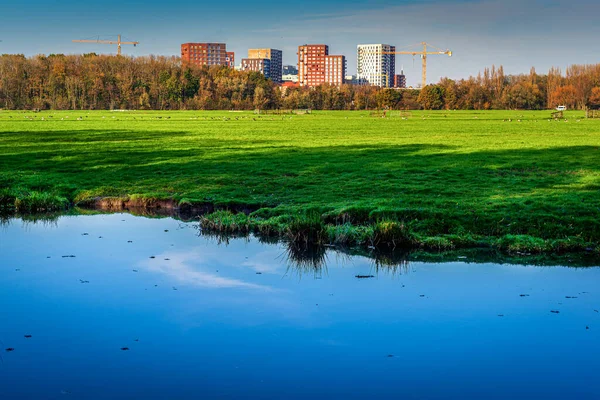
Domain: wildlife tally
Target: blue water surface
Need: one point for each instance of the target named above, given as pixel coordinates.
(201, 319)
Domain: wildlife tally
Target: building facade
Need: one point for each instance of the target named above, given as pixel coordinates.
(230, 59)
(262, 65)
(317, 67)
(204, 54)
(290, 70)
(400, 81)
(374, 66)
(290, 78)
(276, 61)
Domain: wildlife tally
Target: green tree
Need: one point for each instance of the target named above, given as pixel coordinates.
(432, 97)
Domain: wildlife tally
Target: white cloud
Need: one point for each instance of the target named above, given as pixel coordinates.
(186, 269)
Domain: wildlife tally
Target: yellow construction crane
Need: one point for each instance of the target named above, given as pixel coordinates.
(118, 42)
(424, 55)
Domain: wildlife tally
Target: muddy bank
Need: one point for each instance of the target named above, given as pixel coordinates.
(161, 207)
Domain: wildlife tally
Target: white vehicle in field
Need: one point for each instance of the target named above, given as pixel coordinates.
(561, 108)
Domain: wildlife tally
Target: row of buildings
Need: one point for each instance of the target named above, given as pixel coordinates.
(376, 64)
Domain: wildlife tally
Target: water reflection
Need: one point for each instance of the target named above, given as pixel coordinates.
(313, 259)
(180, 267)
(303, 259)
(229, 318)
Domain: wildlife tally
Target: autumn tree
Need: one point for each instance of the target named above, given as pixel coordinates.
(565, 95)
(91, 81)
(594, 100)
(432, 97)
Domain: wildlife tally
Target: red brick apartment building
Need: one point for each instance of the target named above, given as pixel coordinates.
(316, 66)
(205, 54)
(400, 81)
(230, 59)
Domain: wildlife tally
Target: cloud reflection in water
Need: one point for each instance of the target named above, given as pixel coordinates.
(185, 268)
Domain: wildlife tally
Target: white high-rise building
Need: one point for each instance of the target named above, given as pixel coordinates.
(375, 67)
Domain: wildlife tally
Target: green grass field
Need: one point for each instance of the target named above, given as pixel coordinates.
(441, 179)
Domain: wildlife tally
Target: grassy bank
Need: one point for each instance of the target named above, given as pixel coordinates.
(512, 180)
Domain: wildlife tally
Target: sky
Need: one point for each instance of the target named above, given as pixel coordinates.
(518, 34)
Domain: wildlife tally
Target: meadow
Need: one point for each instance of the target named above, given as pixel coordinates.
(514, 180)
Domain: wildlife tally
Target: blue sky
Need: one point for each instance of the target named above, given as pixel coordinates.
(516, 34)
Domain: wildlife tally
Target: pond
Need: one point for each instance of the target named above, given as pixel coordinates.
(116, 306)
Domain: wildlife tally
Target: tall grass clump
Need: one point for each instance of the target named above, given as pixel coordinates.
(306, 229)
(225, 222)
(7, 200)
(34, 202)
(392, 234)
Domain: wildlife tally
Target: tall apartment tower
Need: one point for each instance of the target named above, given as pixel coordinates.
(230, 59)
(316, 66)
(262, 65)
(205, 54)
(374, 66)
(275, 58)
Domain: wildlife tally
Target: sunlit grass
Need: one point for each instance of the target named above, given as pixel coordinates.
(451, 179)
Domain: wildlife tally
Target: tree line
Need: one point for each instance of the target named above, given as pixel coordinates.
(101, 82)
